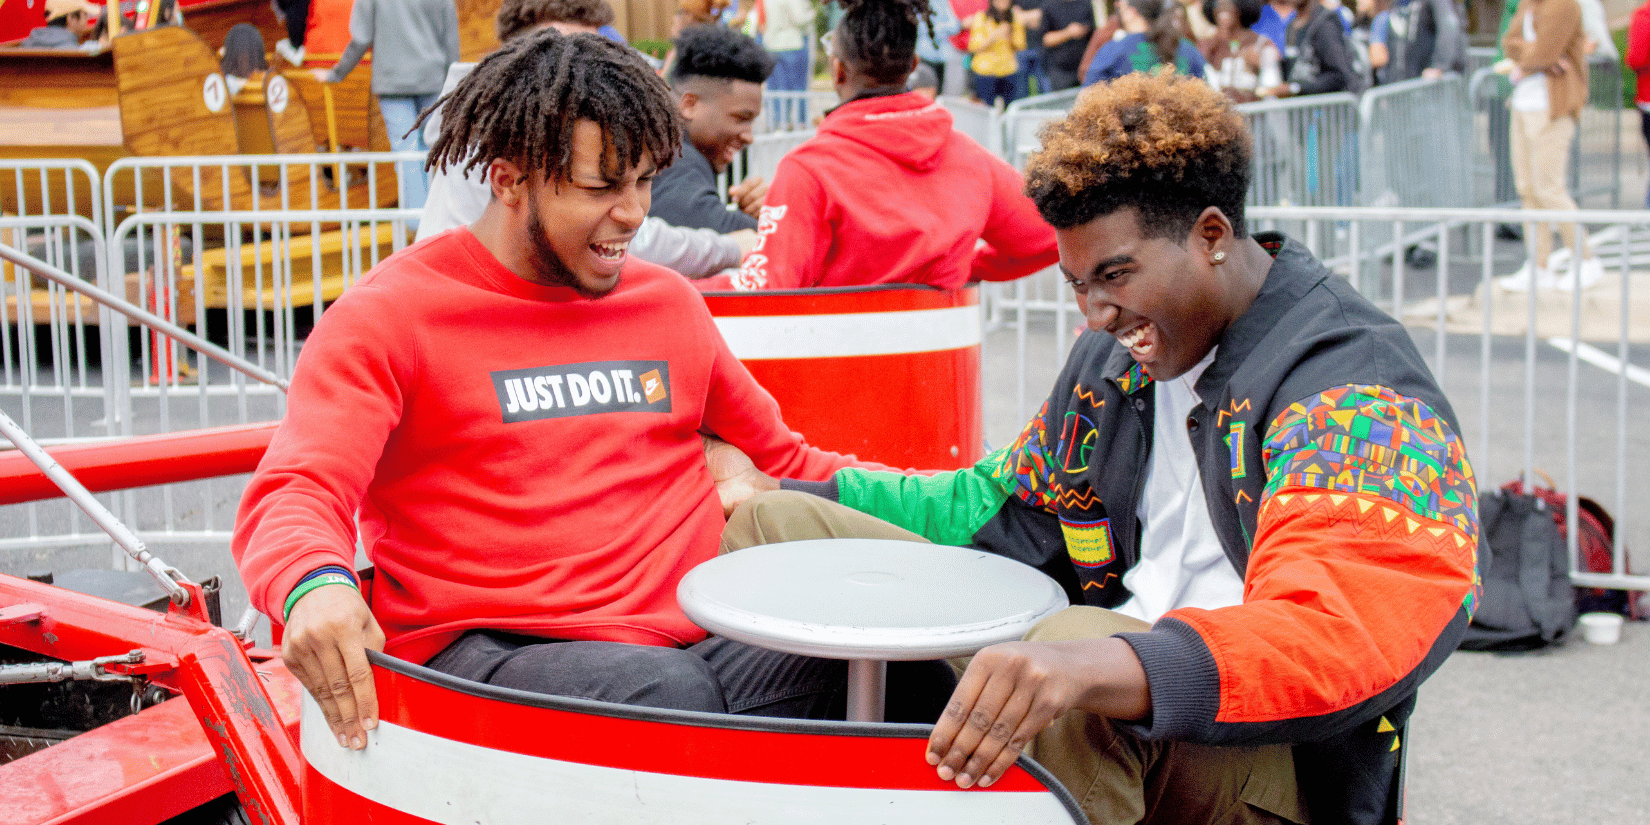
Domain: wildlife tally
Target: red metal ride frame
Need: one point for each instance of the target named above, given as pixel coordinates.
(245, 741)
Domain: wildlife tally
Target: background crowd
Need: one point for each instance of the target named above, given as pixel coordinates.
(1007, 50)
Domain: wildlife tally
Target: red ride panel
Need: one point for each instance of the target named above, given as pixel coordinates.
(919, 408)
(843, 761)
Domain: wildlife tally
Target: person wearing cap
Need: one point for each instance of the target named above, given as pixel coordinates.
(67, 21)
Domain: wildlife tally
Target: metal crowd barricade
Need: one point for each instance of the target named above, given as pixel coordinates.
(974, 119)
(50, 187)
(93, 410)
(1305, 150)
(244, 251)
(53, 210)
(1491, 166)
(245, 262)
(1480, 57)
(51, 356)
(1024, 118)
(1414, 144)
(1595, 154)
(53, 352)
(793, 111)
(763, 155)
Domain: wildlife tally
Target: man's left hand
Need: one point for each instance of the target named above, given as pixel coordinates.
(736, 476)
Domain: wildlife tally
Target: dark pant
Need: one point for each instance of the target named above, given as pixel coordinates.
(1031, 72)
(296, 13)
(716, 676)
(1644, 125)
(939, 73)
(990, 88)
(1061, 79)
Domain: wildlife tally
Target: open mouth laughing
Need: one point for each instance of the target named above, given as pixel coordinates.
(1140, 340)
(610, 252)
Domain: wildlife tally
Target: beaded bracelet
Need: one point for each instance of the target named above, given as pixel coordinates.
(311, 582)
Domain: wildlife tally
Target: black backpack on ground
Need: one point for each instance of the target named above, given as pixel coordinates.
(1527, 601)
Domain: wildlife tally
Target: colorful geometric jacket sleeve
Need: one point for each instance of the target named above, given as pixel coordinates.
(1362, 559)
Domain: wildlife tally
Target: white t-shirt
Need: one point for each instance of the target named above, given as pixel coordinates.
(1530, 93)
(1181, 561)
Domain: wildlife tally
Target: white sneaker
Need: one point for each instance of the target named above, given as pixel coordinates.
(295, 56)
(1559, 260)
(1520, 281)
(1589, 273)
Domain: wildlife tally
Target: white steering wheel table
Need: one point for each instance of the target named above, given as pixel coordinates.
(869, 601)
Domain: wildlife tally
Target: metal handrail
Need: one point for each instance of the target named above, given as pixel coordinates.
(168, 576)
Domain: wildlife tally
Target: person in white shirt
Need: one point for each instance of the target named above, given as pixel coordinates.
(458, 199)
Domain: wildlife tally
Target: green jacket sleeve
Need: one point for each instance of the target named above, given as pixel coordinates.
(945, 508)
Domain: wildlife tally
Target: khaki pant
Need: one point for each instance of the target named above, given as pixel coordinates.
(1116, 776)
(1541, 161)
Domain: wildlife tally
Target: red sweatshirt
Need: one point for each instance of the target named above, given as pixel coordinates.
(888, 192)
(523, 459)
(1638, 54)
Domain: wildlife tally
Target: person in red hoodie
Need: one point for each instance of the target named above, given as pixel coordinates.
(511, 411)
(888, 192)
(1638, 59)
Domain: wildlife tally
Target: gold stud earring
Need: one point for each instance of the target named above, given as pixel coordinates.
(1218, 257)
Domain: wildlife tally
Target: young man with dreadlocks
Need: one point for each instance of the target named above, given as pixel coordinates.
(888, 192)
(458, 198)
(1245, 476)
(514, 410)
(717, 76)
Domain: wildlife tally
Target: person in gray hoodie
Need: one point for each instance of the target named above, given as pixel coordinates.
(413, 42)
(1425, 39)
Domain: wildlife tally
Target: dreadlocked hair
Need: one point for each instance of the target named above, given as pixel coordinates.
(1168, 145)
(516, 17)
(521, 102)
(879, 37)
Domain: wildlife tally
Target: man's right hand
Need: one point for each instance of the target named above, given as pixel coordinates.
(325, 646)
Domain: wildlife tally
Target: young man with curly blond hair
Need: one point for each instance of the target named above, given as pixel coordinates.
(1246, 478)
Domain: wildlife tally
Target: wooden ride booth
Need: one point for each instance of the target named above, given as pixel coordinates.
(174, 103)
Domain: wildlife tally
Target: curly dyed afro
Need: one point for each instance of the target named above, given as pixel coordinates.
(1166, 144)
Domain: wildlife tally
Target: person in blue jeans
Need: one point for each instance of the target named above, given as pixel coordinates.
(413, 43)
(785, 36)
(1031, 59)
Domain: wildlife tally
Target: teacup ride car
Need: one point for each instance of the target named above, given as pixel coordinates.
(447, 750)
